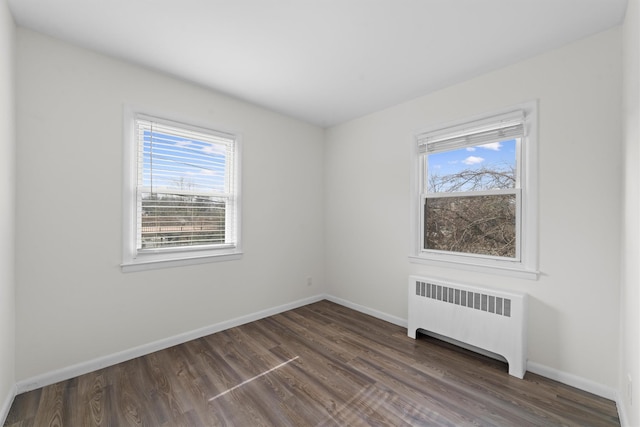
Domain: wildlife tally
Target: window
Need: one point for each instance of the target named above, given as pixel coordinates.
(181, 194)
(475, 198)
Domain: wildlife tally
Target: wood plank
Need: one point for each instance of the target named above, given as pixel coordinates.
(52, 404)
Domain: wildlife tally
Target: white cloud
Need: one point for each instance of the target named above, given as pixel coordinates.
(494, 146)
(183, 143)
(213, 149)
(471, 148)
(473, 160)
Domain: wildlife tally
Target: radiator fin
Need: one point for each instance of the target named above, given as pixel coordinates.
(472, 300)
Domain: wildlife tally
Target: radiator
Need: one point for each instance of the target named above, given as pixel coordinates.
(488, 319)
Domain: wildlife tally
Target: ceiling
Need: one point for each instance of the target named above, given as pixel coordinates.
(322, 61)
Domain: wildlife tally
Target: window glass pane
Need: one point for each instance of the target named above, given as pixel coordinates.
(170, 220)
(184, 187)
(483, 225)
(173, 162)
(484, 167)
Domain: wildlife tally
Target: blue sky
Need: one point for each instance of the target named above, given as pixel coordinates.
(184, 163)
(500, 155)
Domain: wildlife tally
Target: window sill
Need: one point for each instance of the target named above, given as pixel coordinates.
(516, 271)
(153, 264)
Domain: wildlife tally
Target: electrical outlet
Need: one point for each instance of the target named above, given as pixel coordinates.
(309, 281)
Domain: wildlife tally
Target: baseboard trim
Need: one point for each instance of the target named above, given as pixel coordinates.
(573, 380)
(370, 311)
(622, 410)
(6, 405)
(82, 368)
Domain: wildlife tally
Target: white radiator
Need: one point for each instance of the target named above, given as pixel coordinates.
(492, 320)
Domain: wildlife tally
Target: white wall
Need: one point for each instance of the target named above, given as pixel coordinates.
(73, 302)
(574, 305)
(629, 295)
(7, 209)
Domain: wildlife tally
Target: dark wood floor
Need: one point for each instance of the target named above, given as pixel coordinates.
(319, 365)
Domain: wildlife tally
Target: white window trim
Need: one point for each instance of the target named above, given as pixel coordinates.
(527, 265)
(133, 260)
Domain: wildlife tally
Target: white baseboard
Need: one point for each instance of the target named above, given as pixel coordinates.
(370, 311)
(66, 373)
(573, 380)
(6, 405)
(622, 410)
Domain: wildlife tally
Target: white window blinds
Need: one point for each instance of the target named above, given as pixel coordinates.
(185, 188)
(491, 129)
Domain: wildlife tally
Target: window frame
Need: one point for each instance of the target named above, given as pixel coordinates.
(524, 265)
(146, 259)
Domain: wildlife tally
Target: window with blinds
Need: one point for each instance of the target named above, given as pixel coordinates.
(473, 202)
(185, 186)
(184, 192)
(472, 192)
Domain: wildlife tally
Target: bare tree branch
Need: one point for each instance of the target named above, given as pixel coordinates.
(472, 224)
